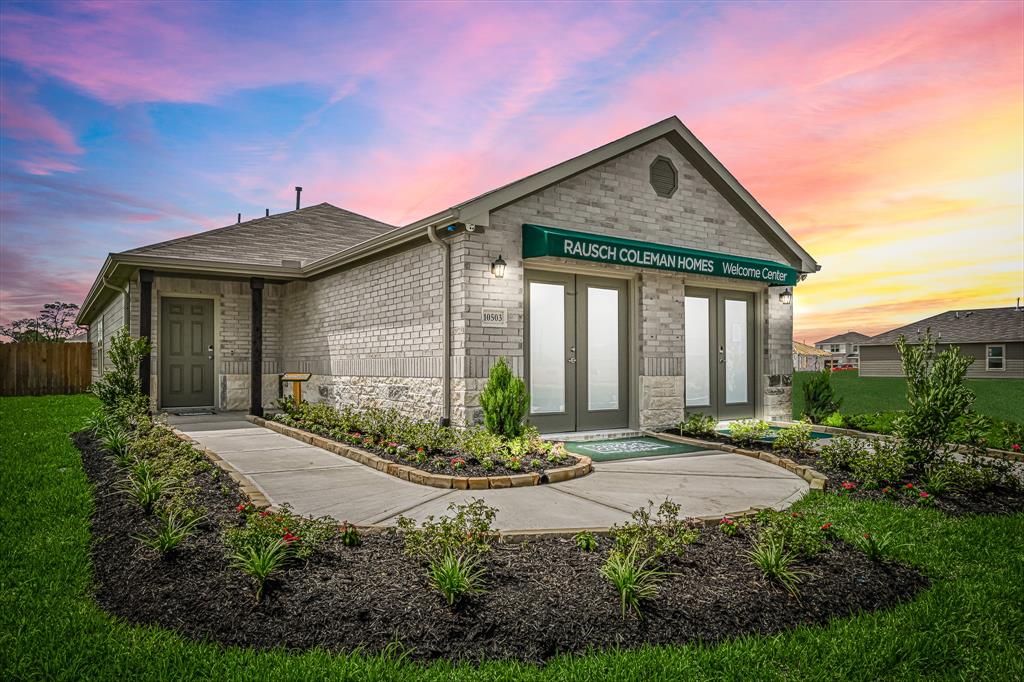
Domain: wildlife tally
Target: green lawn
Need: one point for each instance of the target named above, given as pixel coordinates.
(967, 625)
(1002, 398)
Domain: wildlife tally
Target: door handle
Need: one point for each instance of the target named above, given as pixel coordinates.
(210, 351)
(721, 354)
(572, 356)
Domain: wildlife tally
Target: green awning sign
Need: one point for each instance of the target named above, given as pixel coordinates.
(554, 241)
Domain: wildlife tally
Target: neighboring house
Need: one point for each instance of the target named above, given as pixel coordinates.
(627, 286)
(994, 337)
(79, 337)
(844, 349)
(808, 358)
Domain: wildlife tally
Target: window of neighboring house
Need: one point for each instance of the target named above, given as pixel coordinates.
(856, 348)
(995, 357)
(834, 348)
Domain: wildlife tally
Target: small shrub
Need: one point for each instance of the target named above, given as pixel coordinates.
(770, 555)
(631, 577)
(971, 474)
(937, 398)
(505, 401)
(455, 575)
(119, 389)
(585, 541)
(302, 536)
(466, 532)
(802, 538)
(820, 399)
(874, 546)
(875, 422)
(794, 440)
(729, 526)
(349, 535)
(874, 462)
(698, 425)
(261, 561)
(656, 536)
(749, 431)
(835, 420)
(174, 527)
(479, 444)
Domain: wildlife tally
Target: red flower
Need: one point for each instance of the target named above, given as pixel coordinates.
(1015, 447)
(923, 494)
(727, 521)
(885, 490)
(848, 485)
(909, 486)
(289, 538)
(867, 536)
(240, 507)
(826, 526)
(264, 514)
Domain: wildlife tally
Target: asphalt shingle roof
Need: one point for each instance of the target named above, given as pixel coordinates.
(848, 337)
(983, 325)
(306, 235)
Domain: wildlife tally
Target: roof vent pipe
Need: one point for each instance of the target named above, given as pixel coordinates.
(268, 213)
(239, 218)
(298, 193)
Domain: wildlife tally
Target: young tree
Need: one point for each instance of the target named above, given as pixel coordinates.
(55, 323)
(504, 401)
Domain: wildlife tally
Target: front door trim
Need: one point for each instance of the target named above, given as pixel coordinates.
(162, 300)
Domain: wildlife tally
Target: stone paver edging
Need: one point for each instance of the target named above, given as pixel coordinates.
(582, 467)
(815, 479)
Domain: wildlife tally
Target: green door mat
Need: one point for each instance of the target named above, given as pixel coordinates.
(628, 448)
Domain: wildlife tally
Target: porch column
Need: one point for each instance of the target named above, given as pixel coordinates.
(256, 349)
(145, 326)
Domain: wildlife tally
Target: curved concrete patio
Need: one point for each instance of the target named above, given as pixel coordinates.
(316, 482)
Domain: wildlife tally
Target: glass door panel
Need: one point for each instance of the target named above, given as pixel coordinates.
(736, 378)
(547, 348)
(697, 339)
(603, 347)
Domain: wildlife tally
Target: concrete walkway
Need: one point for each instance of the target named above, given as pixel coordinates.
(316, 482)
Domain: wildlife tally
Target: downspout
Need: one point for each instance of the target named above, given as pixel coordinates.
(446, 307)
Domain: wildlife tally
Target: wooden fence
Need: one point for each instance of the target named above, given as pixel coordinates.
(45, 368)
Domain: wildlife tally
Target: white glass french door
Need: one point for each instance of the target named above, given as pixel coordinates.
(577, 352)
(719, 350)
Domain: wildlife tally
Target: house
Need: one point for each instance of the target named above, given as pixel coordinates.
(808, 358)
(844, 349)
(994, 337)
(628, 286)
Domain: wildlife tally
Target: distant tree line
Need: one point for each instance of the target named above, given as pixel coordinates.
(54, 324)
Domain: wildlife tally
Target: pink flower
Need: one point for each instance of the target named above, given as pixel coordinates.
(923, 494)
(1015, 447)
(848, 485)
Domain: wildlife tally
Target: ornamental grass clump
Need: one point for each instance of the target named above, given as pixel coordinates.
(455, 575)
(174, 527)
(776, 563)
(145, 487)
(261, 561)
(630, 575)
(874, 545)
(505, 401)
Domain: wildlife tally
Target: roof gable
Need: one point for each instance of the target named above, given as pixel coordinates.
(304, 235)
(848, 337)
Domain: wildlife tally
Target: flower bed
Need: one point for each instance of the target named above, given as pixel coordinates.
(529, 601)
(462, 453)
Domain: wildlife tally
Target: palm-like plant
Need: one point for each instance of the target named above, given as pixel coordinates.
(172, 530)
(144, 486)
(261, 562)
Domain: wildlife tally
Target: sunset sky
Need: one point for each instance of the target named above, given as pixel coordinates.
(887, 138)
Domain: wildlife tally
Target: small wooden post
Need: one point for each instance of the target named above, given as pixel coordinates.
(297, 392)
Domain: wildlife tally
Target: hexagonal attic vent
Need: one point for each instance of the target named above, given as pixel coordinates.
(664, 178)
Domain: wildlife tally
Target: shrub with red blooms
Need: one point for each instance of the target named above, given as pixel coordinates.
(729, 526)
(262, 527)
(826, 528)
(1015, 447)
(924, 499)
(847, 487)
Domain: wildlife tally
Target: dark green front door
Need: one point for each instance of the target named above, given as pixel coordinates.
(577, 352)
(186, 352)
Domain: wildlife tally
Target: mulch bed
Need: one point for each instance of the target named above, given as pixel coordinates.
(543, 598)
(469, 468)
(1000, 500)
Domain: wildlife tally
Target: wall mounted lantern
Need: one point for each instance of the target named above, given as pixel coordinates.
(786, 297)
(498, 267)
